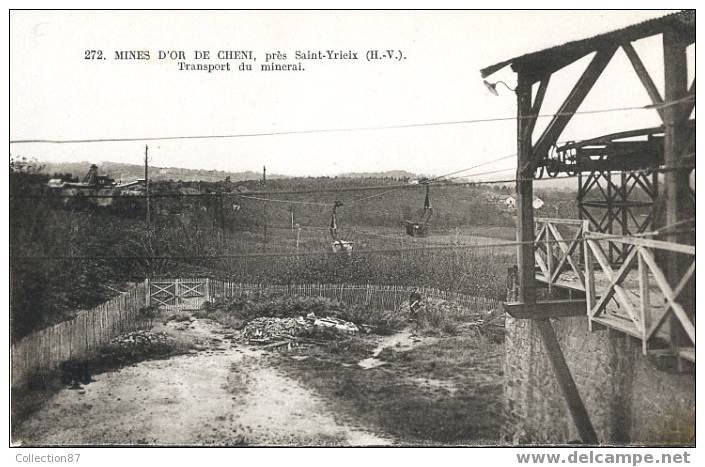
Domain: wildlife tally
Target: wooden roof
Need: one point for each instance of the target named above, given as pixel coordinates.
(554, 58)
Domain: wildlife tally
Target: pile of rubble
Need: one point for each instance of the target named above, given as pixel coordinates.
(141, 338)
(267, 330)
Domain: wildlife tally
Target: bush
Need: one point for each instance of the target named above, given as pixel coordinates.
(148, 314)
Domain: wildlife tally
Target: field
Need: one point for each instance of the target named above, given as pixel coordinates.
(71, 256)
(424, 393)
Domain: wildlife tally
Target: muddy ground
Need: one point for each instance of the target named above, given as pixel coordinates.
(230, 393)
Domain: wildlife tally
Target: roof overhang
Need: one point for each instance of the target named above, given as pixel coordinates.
(547, 61)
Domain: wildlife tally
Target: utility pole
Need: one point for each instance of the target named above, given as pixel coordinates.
(298, 236)
(146, 182)
(264, 207)
(221, 215)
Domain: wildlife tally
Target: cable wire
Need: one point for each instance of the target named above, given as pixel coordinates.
(349, 129)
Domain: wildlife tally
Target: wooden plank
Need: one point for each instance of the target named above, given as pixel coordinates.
(644, 77)
(550, 268)
(623, 325)
(676, 193)
(645, 303)
(536, 106)
(546, 309)
(563, 284)
(556, 220)
(590, 296)
(542, 266)
(647, 242)
(566, 383)
(687, 353)
(524, 192)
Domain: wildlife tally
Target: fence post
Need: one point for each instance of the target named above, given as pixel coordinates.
(207, 292)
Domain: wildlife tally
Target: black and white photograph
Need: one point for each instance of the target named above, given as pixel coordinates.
(352, 228)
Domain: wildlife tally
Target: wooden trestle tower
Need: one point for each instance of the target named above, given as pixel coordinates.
(630, 184)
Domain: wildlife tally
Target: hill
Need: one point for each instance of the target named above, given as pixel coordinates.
(368, 202)
(127, 172)
(396, 174)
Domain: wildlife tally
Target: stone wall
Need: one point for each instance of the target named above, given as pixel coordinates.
(631, 398)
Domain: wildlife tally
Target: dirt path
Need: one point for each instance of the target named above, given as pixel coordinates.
(225, 395)
(400, 341)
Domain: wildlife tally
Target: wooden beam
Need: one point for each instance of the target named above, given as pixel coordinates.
(566, 383)
(646, 242)
(688, 106)
(536, 106)
(527, 277)
(570, 105)
(547, 309)
(675, 134)
(644, 77)
(525, 195)
(558, 220)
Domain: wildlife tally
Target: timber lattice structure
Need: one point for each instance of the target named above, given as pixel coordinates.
(628, 263)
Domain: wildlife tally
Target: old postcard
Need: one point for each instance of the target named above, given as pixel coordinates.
(353, 228)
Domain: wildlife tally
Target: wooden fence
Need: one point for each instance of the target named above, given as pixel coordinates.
(44, 350)
(386, 297)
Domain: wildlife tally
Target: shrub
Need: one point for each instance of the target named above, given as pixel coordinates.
(148, 314)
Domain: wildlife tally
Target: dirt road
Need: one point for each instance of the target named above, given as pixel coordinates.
(225, 395)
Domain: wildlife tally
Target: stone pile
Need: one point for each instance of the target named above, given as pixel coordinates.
(144, 338)
(265, 330)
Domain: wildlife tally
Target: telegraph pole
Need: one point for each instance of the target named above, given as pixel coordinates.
(146, 181)
(298, 236)
(221, 214)
(264, 207)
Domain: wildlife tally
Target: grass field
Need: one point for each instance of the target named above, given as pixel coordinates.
(444, 391)
(311, 238)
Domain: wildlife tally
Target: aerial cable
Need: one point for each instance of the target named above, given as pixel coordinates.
(350, 129)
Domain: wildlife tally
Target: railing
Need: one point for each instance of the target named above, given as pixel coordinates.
(558, 259)
(645, 313)
(44, 350)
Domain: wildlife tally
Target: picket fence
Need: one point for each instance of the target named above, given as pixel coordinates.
(43, 351)
(385, 297)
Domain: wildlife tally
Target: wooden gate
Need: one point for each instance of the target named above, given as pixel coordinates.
(178, 294)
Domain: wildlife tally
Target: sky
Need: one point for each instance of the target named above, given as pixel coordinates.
(57, 94)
